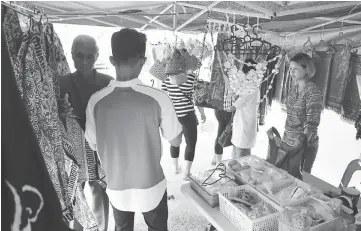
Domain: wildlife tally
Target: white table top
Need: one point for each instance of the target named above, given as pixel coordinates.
(213, 215)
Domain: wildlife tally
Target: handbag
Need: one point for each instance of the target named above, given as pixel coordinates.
(283, 156)
(225, 139)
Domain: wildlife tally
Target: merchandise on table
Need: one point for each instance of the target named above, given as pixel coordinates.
(248, 209)
(275, 183)
(316, 212)
(207, 184)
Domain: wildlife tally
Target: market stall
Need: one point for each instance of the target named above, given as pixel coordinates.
(268, 32)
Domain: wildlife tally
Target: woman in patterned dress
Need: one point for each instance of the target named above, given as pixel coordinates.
(304, 107)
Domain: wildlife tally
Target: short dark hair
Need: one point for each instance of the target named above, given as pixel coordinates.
(128, 43)
(247, 68)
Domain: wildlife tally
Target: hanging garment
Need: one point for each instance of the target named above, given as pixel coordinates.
(280, 77)
(72, 134)
(322, 60)
(288, 84)
(55, 57)
(214, 91)
(29, 199)
(352, 103)
(35, 81)
(339, 77)
(263, 106)
(36, 91)
(358, 74)
(244, 130)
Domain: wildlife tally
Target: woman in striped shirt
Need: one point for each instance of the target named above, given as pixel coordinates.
(179, 86)
(304, 107)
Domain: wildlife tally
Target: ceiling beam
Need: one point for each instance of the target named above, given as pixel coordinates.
(254, 6)
(291, 3)
(226, 11)
(194, 17)
(92, 19)
(326, 23)
(281, 3)
(112, 10)
(155, 18)
(157, 22)
(119, 16)
(175, 18)
(347, 21)
(316, 8)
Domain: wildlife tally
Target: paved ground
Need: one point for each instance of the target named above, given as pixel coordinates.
(337, 148)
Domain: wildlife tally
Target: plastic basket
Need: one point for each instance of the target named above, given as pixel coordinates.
(212, 200)
(326, 226)
(241, 220)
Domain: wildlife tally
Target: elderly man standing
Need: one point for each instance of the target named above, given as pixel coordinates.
(76, 89)
(123, 124)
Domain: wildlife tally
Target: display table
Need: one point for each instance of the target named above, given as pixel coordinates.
(323, 186)
(219, 222)
(213, 215)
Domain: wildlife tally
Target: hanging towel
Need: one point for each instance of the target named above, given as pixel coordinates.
(339, 77)
(322, 61)
(352, 103)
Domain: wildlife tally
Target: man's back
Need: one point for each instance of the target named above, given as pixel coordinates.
(128, 117)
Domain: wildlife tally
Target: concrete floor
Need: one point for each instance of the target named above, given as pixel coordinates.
(337, 148)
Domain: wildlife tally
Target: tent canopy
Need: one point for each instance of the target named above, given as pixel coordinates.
(280, 17)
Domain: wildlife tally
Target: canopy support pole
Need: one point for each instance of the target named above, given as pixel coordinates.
(197, 15)
(326, 23)
(155, 18)
(346, 21)
(251, 5)
(316, 8)
(226, 11)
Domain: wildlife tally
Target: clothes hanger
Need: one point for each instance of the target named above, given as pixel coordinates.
(348, 42)
(327, 47)
(308, 45)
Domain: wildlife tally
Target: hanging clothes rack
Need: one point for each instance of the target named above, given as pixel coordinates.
(247, 44)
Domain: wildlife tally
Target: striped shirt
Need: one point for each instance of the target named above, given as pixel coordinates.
(181, 95)
(303, 112)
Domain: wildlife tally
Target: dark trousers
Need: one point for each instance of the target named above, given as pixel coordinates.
(223, 118)
(156, 219)
(189, 123)
(309, 156)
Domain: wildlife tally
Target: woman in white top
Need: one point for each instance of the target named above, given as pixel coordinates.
(244, 130)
